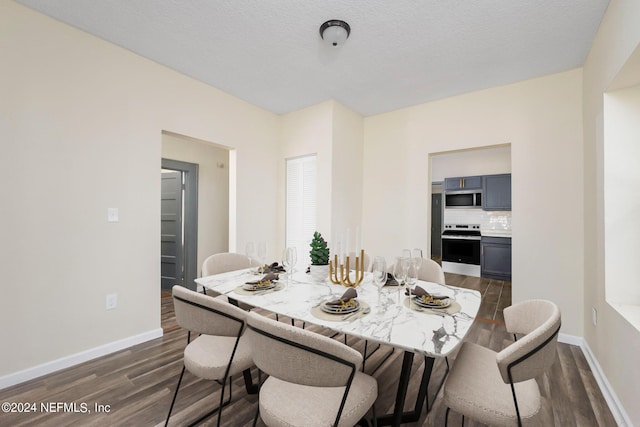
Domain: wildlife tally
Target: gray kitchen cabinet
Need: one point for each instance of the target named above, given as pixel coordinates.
(496, 192)
(463, 183)
(495, 258)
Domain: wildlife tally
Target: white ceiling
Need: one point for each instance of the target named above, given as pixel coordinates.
(400, 52)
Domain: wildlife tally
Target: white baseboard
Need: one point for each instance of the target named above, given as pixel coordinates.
(610, 396)
(570, 339)
(75, 359)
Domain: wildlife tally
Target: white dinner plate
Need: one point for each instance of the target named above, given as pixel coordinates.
(339, 310)
(252, 288)
(443, 303)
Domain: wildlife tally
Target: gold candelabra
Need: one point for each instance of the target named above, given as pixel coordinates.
(339, 273)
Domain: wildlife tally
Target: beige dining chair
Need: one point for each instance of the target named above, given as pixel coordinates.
(499, 388)
(431, 271)
(226, 261)
(220, 351)
(367, 261)
(313, 380)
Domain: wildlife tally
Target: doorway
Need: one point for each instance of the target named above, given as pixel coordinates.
(178, 224)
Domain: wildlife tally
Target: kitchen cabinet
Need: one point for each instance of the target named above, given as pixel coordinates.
(496, 192)
(495, 258)
(463, 183)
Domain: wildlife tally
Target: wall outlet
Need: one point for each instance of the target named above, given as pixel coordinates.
(112, 301)
(594, 316)
(113, 215)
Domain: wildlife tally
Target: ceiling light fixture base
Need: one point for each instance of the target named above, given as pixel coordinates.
(335, 32)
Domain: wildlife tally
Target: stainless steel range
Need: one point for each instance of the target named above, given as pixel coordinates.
(461, 249)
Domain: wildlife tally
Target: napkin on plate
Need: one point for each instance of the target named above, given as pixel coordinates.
(269, 277)
(346, 297)
(418, 291)
(273, 268)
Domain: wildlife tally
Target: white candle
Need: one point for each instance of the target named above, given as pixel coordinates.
(347, 248)
(358, 244)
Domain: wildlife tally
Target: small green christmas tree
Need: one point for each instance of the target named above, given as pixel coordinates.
(319, 250)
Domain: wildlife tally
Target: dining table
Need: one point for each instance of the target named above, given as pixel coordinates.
(386, 316)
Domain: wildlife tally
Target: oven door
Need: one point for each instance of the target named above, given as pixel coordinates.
(461, 250)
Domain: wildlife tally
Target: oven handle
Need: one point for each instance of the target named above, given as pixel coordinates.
(461, 237)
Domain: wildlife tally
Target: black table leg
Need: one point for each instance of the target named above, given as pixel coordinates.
(248, 382)
(399, 416)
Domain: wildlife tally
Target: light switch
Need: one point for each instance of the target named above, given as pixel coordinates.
(112, 215)
(112, 301)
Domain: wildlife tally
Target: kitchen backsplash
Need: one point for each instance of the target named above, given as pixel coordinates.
(497, 221)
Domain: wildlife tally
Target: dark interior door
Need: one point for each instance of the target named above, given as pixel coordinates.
(436, 224)
(171, 231)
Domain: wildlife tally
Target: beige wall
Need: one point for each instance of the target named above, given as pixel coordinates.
(614, 341)
(484, 161)
(335, 134)
(346, 181)
(541, 120)
(80, 128)
(304, 132)
(213, 190)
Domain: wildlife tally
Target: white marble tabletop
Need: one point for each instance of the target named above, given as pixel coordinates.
(390, 321)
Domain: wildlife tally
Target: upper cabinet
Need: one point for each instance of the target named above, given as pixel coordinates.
(496, 192)
(463, 183)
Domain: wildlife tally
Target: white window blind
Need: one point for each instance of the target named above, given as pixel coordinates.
(301, 206)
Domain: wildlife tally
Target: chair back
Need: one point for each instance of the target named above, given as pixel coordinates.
(367, 261)
(203, 314)
(299, 356)
(430, 271)
(535, 352)
(224, 262)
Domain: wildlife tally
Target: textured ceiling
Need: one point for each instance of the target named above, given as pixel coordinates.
(400, 52)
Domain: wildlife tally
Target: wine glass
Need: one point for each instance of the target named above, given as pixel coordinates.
(262, 254)
(400, 273)
(379, 274)
(289, 260)
(250, 252)
(416, 259)
(412, 275)
(399, 270)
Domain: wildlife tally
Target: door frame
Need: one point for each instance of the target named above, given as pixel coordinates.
(190, 218)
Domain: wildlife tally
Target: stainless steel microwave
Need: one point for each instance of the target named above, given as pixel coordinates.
(463, 199)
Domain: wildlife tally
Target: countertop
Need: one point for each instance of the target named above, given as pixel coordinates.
(495, 233)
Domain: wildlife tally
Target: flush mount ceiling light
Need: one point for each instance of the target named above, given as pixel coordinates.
(335, 32)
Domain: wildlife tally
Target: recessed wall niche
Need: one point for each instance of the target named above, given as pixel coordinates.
(622, 190)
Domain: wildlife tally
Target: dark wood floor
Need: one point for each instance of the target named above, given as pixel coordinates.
(138, 383)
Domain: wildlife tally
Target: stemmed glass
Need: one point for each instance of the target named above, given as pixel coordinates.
(400, 273)
(379, 274)
(416, 262)
(289, 260)
(250, 252)
(262, 254)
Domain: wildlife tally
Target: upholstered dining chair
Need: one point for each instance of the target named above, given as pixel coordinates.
(313, 380)
(226, 261)
(367, 261)
(221, 350)
(499, 388)
(431, 271)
